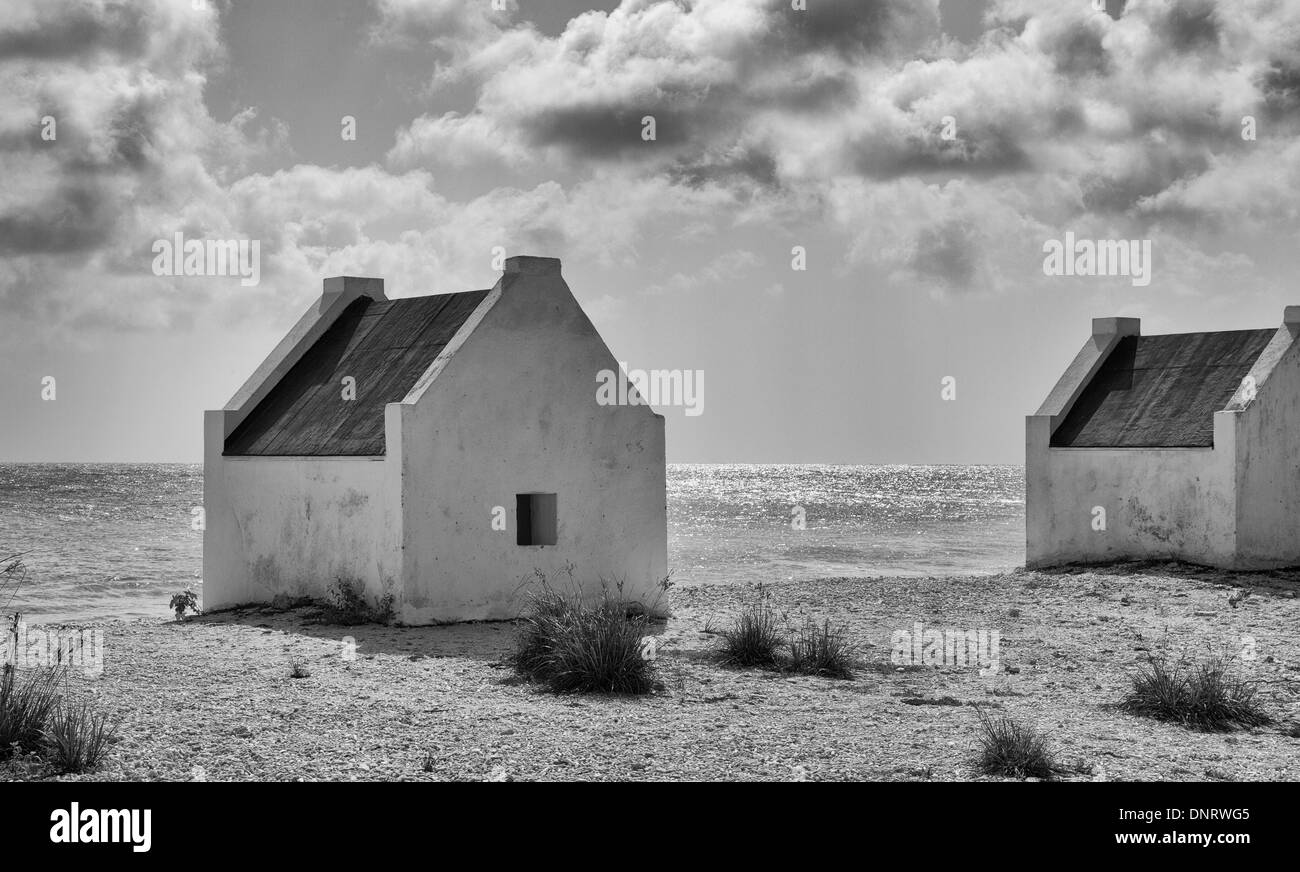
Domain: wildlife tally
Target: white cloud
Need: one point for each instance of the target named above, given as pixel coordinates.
(1066, 119)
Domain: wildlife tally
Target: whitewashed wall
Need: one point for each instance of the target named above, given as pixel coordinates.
(514, 412)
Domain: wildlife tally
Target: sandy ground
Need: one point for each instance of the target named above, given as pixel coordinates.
(213, 698)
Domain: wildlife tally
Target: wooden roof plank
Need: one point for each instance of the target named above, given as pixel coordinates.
(1161, 391)
(357, 424)
(385, 345)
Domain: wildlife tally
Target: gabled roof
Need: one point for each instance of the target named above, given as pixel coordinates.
(386, 345)
(1161, 391)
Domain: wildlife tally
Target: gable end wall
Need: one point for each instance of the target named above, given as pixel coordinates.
(513, 410)
(1268, 459)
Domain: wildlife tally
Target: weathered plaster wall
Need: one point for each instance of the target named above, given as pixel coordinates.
(1268, 463)
(1159, 503)
(514, 411)
(289, 525)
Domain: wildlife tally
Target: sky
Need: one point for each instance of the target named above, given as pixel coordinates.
(919, 153)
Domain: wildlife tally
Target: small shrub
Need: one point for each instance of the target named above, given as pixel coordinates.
(821, 651)
(298, 669)
(25, 707)
(347, 605)
(1012, 749)
(1202, 696)
(181, 602)
(572, 646)
(754, 639)
(76, 737)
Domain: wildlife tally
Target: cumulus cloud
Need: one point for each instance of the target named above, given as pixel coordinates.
(1122, 111)
(103, 132)
(456, 30)
(704, 71)
(457, 141)
(943, 164)
(75, 30)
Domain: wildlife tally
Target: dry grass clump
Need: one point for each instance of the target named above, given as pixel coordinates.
(755, 640)
(570, 644)
(1013, 749)
(1201, 696)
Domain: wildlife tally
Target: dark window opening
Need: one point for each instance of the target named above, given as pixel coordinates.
(535, 519)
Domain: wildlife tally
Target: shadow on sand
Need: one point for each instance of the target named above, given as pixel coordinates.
(1274, 582)
(488, 641)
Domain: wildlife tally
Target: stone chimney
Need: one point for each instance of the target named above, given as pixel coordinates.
(525, 264)
(1108, 327)
(352, 287)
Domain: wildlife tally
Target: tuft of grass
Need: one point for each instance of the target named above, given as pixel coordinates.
(755, 638)
(298, 669)
(573, 646)
(13, 572)
(821, 651)
(347, 605)
(76, 737)
(1202, 696)
(1012, 749)
(25, 707)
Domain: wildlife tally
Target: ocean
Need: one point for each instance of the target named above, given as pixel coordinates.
(105, 541)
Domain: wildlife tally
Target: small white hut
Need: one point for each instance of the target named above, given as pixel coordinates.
(1183, 446)
(439, 449)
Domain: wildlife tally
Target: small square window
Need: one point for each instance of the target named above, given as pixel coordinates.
(535, 519)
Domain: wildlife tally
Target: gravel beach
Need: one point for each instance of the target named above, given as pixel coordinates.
(213, 698)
